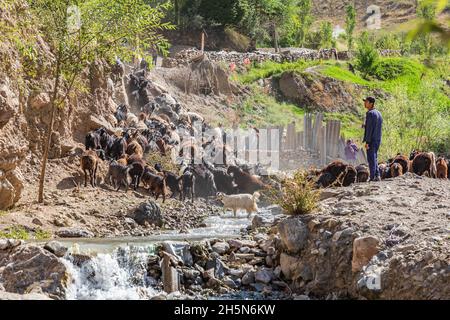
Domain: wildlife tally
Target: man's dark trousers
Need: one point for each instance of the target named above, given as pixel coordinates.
(372, 158)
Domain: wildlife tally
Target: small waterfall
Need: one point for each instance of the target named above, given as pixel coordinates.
(120, 275)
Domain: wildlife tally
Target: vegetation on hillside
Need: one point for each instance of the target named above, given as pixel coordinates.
(416, 110)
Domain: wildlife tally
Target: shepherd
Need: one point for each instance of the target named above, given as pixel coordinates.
(351, 152)
(372, 136)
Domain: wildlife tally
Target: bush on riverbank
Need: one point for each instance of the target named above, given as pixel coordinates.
(299, 195)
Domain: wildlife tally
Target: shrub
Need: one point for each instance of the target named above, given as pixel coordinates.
(366, 55)
(298, 195)
(391, 68)
(166, 161)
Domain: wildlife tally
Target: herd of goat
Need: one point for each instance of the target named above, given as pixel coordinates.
(128, 167)
(157, 129)
(339, 173)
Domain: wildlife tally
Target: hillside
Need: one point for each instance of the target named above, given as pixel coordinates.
(393, 12)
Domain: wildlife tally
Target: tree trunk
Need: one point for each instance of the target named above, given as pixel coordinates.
(177, 12)
(48, 138)
(275, 38)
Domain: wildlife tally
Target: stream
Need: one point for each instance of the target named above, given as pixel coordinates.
(117, 269)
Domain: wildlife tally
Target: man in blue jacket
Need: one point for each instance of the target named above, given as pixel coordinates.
(372, 136)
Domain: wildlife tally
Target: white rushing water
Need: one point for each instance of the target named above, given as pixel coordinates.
(120, 275)
(117, 269)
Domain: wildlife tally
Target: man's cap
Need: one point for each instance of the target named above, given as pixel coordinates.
(370, 99)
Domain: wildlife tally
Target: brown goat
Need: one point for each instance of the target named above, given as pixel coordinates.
(134, 148)
(162, 146)
(403, 161)
(362, 173)
(441, 168)
(156, 184)
(340, 173)
(142, 116)
(396, 170)
(245, 182)
(89, 163)
(123, 160)
(425, 162)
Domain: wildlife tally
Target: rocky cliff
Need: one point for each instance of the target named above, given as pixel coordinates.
(25, 89)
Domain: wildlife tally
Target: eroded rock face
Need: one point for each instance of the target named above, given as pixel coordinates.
(7, 193)
(40, 100)
(294, 234)
(9, 102)
(26, 267)
(318, 92)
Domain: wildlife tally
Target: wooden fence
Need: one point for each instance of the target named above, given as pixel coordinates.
(321, 139)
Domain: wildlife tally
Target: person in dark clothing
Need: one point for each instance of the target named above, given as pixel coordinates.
(372, 137)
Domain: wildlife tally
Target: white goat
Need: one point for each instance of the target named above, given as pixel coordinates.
(132, 120)
(243, 201)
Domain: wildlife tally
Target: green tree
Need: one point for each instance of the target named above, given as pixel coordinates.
(326, 34)
(304, 19)
(366, 55)
(350, 23)
(80, 32)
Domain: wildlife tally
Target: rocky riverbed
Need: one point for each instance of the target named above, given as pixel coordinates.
(387, 240)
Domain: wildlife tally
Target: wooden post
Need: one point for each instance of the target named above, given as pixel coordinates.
(169, 275)
(323, 150)
(316, 131)
(203, 42)
(300, 139)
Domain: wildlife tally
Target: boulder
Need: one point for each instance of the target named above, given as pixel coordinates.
(15, 178)
(248, 278)
(290, 266)
(221, 247)
(29, 266)
(229, 282)
(264, 275)
(95, 123)
(218, 266)
(257, 222)
(319, 92)
(149, 212)
(364, 248)
(293, 233)
(6, 244)
(74, 233)
(56, 248)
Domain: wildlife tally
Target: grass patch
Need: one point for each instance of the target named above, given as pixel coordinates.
(15, 232)
(272, 69)
(262, 110)
(339, 73)
(40, 234)
(165, 160)
(20, 233)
